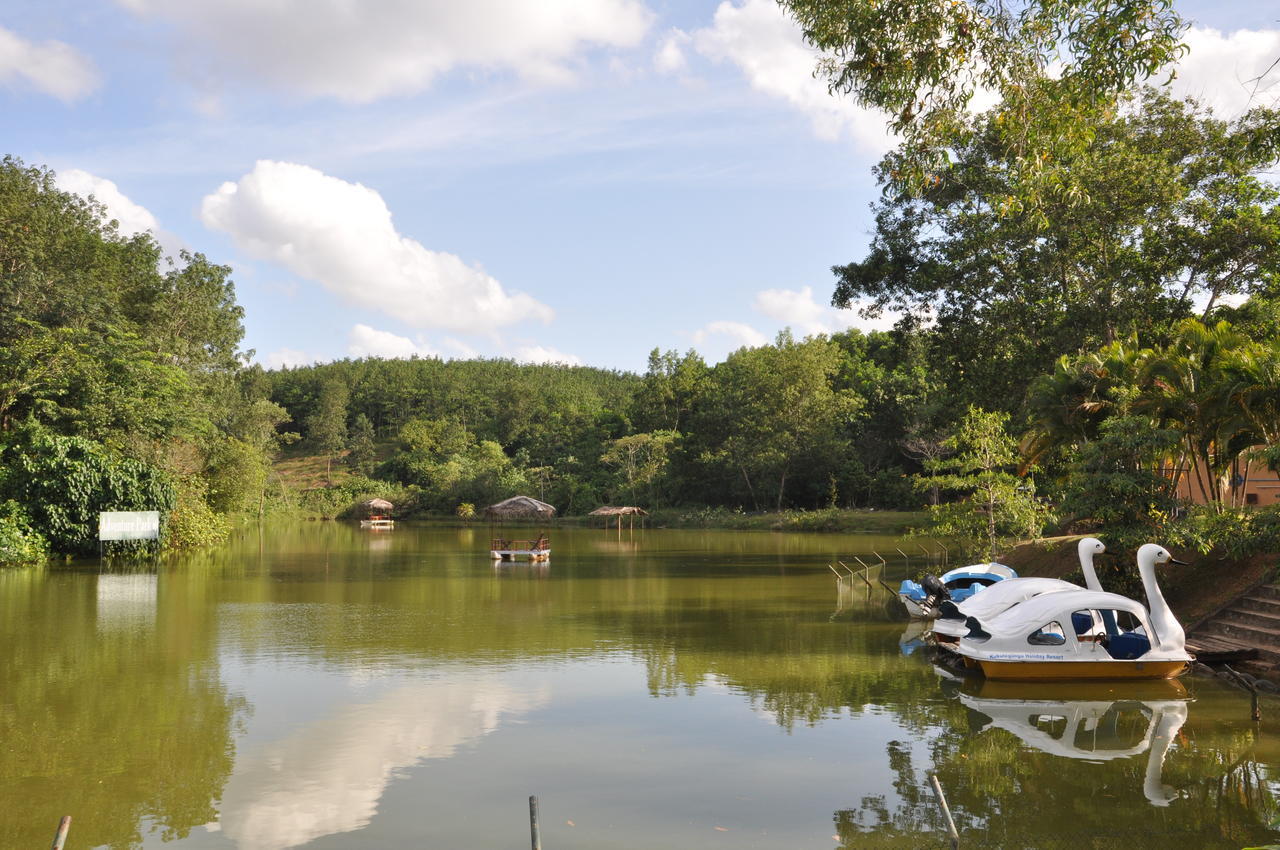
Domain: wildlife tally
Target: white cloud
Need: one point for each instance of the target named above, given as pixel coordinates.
(798, 310)
(769, 48)
(341, 235)
(1222, 70)
(364, 341)
(288, 358)
(360, 52)
(737, 333)
(132, 218)
(787, 308)
(52, 67)
(542, 354)
(670, 58)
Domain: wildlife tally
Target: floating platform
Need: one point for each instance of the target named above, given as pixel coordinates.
(511, 550)
(377, 522)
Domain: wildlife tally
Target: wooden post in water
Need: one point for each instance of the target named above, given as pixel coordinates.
(1254, 709)
(905, 557)
(60, 837)
(946, 811)
(534, 836)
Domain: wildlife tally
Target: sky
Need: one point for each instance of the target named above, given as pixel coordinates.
(575, 181)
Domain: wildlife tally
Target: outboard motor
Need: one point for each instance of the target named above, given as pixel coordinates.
(934, 587)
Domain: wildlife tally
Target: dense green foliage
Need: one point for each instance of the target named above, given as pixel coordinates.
(120, 374)
(20, 542)
(923, 62)
(1173, 218)
(993, 502)
(64, 482)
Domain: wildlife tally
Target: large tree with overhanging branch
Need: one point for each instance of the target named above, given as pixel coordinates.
(1176, 213)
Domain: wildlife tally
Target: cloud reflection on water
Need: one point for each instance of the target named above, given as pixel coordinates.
(328, 777)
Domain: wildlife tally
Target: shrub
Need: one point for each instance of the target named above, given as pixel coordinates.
(63, 483)
(19, 542)
(192, 523)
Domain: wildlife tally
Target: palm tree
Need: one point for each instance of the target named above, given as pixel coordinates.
(1187, 385)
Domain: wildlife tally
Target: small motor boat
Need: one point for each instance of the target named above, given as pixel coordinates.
(924, 597)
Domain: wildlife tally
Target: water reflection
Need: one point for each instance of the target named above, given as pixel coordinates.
(111, 708)
(327, 777)
(1087, 721)
(127, 601)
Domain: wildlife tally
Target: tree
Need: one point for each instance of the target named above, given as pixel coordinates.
(1172, 212)
(994, 502)
(641, 459)
(923, 62)
(327, 427)
(1117, 482)
(363, 450)
(774, 408)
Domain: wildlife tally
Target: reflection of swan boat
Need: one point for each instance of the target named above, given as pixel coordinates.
(922, 598)
(1086, 721)
(950, 626)
(1105, 635)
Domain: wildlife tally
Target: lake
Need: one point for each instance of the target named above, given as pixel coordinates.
(319, 686)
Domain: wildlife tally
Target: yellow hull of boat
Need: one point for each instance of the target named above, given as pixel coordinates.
(1028, 671)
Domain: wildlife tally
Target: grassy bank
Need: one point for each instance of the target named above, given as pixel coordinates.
(827, 519)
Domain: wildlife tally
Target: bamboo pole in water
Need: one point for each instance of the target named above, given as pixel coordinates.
(946, 811)
(60, 837)
(534, 835)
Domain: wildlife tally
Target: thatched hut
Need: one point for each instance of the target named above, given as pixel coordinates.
(619, 512)
(377, 507)
(377, 514)
(520, 507)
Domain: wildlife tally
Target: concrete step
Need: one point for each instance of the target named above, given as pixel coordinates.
(1249, 617)
(1262, 604)
(1266, 591)
(1265, 640)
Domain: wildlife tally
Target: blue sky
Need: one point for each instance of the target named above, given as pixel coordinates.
(576, 180)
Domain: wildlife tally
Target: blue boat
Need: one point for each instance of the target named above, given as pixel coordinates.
(923, 597)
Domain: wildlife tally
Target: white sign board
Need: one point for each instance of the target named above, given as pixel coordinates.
(129, 525)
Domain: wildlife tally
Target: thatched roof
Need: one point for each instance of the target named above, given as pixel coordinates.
(608, 510)
(520, 507)
(378, 505)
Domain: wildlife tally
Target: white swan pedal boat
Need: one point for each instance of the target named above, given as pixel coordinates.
(1082, 634)
(949, 626)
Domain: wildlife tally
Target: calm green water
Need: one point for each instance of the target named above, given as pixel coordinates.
(318, 686)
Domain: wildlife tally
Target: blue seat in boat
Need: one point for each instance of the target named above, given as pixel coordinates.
(1081, 622)
(1128, 646)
